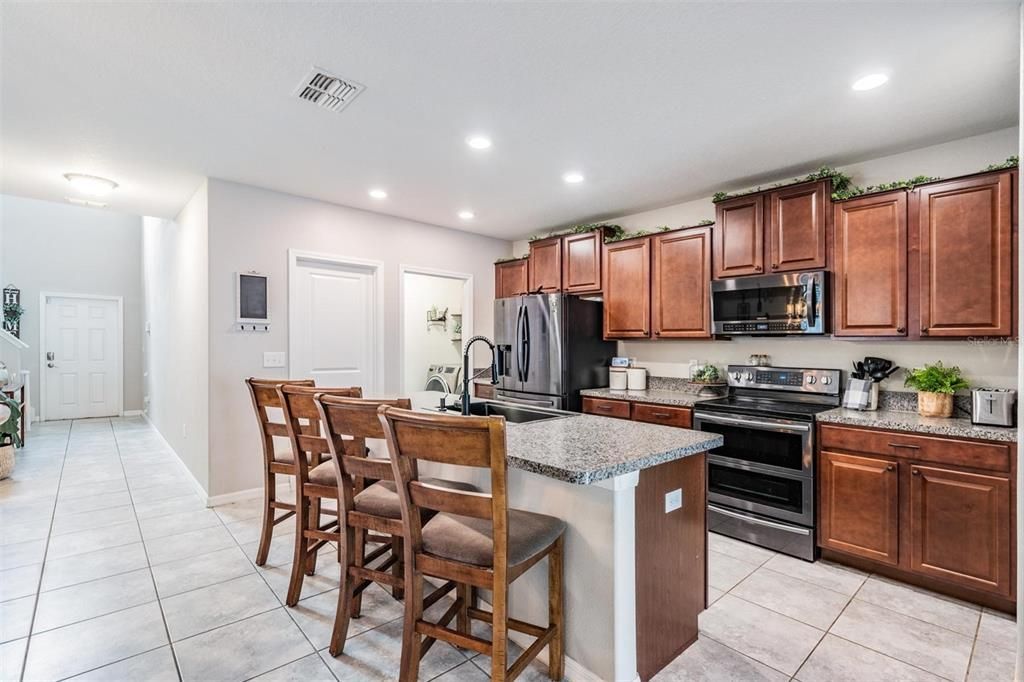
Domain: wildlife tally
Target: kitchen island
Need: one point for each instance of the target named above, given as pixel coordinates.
(633, 497)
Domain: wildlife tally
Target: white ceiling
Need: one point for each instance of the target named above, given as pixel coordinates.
(654, 103)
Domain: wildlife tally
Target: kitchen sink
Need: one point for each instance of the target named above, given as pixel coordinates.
(516, 414)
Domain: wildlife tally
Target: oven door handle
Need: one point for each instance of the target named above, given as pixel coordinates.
(754, 423)
(762, 522)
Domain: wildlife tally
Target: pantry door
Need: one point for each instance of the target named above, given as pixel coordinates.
(81, 357)
(333, 321)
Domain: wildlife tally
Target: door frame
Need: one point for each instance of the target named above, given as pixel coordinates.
(374, 268)
(467, 310)
(43, 295)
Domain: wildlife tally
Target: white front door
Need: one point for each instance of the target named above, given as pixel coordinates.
(81, 365)
(333, 324)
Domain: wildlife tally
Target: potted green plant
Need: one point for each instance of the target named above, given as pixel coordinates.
(935, 386)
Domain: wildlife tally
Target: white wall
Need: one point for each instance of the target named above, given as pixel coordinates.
(989, 364)
(177, 344)
(252, 229)
(425, 344)
(53, 247)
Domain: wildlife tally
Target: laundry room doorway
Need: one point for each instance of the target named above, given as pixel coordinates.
(436, 320)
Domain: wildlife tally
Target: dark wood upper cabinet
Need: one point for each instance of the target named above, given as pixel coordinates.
(960, 527)
(546, 265)
(581, 262)
(739, 236)
(627, 289)
(511, 278)
(680, 285)
(859, 506)
(796, 226)
(964, 230)
(871, 266)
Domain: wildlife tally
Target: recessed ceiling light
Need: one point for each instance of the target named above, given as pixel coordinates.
(479, 141)
(90, 184)
(573, 177)
(870, 81)
(86, 202)
(467, 215)
(378, 193)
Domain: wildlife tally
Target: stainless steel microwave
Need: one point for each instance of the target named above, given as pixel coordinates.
(771, 305)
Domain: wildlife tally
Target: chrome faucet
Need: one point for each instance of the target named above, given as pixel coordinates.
(497, 367)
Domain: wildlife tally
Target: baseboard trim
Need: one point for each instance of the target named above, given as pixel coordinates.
(237, 496)
(574, 670)
(200, 490)
(134, 413)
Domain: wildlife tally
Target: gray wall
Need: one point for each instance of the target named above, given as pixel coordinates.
(62, 248)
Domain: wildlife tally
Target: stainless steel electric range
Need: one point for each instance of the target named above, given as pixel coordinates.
(761, 481)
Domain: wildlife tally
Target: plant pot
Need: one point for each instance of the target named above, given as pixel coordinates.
(6, 460)
(935, 404)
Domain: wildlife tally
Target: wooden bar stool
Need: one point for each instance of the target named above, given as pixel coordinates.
(369, 509)
(264, 396)
(314, 478)
(474, 540)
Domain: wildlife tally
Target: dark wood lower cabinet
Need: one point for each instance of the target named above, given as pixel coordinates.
(936, 512)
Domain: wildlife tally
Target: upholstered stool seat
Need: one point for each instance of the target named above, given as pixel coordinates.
(471, 540)
(381, 498)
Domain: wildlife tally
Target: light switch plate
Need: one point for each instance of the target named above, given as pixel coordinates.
(273, 359)
(673, 500)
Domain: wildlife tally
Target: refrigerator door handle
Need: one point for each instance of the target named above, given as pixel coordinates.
(526, 343)
(519, 343)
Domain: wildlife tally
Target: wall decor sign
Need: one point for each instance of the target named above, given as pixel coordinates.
(12, 310)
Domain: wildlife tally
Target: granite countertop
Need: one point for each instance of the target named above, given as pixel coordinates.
(658, 396)
(585, 449)
(912, 422)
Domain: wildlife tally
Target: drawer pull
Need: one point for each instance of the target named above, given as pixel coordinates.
(603, 407)
(904, 445)
(661, 415)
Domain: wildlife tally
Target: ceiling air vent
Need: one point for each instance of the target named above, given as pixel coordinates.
(327, 90)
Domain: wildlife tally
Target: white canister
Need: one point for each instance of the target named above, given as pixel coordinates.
(636, 379)
(617, 378)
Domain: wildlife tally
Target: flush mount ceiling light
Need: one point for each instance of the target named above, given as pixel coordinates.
(91, 185)
(467, 215)
(86, 202)
(378, 193)
(573, 177)
(870, 81)
(479, 141)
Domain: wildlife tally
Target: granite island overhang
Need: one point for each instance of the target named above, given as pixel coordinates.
(633, 496)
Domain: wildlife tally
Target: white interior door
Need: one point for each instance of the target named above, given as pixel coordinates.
(82, 364)
(333, 324)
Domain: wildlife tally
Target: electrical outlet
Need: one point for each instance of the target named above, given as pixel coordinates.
(274, 359)
(673, 500)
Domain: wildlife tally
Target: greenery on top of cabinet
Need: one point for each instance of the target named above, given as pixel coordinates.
(623, 236)
(909, 183)
(510, 259)
(1011, 162)
(580, 229)
(840, 183)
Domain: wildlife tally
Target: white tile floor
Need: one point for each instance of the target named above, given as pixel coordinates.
(112, 569)
(778, 618)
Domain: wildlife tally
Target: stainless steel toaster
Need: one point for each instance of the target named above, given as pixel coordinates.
(994, 406)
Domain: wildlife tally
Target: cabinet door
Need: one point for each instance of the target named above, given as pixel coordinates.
(546, 266)
(511, 278)
(960, 527)
(681, 281)
(627, 289)
(797, 217)
(965, 232)
(581, 262)
(871, 266)
(738, 237)
(859, 506)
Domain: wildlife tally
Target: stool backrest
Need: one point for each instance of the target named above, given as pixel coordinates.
(348, 423)
(477, 442)
(299, 405)
(264, 396)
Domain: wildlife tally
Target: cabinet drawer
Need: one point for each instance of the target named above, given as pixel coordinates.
(662, 414)
(606, 408)
(992, 456)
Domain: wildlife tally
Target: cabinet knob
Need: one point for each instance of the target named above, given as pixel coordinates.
(891, 467)
(758, 268)
(775, 266)
(924, 330)
(657, 333)
(916, 472)
(900, 330)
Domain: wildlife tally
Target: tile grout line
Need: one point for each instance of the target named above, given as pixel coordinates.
(149, 565)
(46, 549)
(828, 630)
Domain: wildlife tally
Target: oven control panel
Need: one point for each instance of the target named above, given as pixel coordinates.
(793, 379)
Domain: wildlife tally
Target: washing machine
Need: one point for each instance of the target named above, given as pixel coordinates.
(444, 378)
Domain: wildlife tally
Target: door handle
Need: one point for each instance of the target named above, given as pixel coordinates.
(50, 364)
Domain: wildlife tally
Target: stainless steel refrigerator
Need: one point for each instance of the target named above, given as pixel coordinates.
(553, 347)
